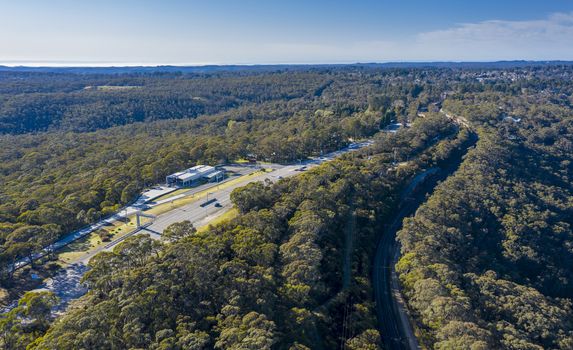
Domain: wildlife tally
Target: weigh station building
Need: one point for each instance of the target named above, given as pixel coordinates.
(195, 175)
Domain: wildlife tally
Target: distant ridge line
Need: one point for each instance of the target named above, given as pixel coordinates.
(274, 67)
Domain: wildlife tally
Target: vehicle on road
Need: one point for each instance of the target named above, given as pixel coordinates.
(206, 203)
(218, 205)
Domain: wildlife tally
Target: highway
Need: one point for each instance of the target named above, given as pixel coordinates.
(191, 212)
(201, 215)
(66, 284)
(145, 200)
(196, 213)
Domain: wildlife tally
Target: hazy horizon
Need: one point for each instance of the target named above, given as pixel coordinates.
(79, 64)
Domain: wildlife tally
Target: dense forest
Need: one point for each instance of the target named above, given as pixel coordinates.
(274, 277)
(79, 103)
(486, 260)
(54, 182)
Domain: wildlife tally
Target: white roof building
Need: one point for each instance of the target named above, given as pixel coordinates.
(193, 175)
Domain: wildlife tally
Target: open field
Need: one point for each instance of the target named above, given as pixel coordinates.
(116, 87)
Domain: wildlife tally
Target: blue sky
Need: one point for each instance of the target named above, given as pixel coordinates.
(256, 31)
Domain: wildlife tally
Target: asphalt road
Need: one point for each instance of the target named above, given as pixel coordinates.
(395, 327)
(66, 284)
(201, 216)
(146, 199)
(393, 320)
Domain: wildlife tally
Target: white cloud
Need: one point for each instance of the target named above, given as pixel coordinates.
(550, 38)
(545, 39)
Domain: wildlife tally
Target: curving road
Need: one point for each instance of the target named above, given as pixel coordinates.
(393, 320)
(394, 324)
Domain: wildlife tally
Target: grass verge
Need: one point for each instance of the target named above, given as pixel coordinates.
(77, 250)
(228, 215)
